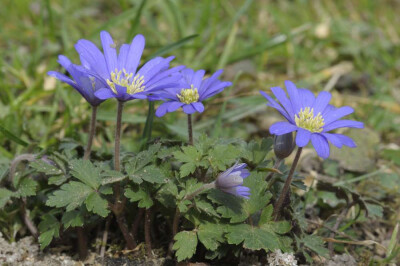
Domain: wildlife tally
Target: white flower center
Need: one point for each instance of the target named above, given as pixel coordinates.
(306, 119)
(189, 96)
(124, 79)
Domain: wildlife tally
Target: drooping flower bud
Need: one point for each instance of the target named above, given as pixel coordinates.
(231, 181)
(283, 145)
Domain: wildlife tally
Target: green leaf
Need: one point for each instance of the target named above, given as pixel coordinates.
(45, 238)
(8, 134)
(111, 176)
(96, 204)
(27, 187)
(57, 180)
(238, 209)
(71, 195)
(49, 228)
(256, 152)
(151, 174)
(211, 235)
(45, 168)
(230, 206)
(72, 219)
(266, 214)
(222, 156)
(316, 244)
(142, 159)
(191, 158)
(253, 238)
(185, 244)
(206, 207)
(138, 194)
(167, 195)
(5, 196)
(86, 172)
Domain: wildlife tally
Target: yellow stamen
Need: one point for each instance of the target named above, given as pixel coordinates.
(306, 119)
(189, 95)
(123, 79)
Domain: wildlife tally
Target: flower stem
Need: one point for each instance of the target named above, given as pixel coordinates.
(147, 235)
(286, 187)
(92, 131)
(117, 146)
(204, 187)
(190, 130)
(118, 207)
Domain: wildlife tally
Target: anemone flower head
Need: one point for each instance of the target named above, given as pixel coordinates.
(231, 181)
(120, 72)
(85, 83)
(312, 117)
(191, 92)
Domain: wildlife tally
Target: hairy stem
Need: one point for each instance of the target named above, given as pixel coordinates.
(175, 225)
(136, 222)
(118, 207)
(82, 235)
(105, 237)
(147, 235)
(203, 188)
(13, 168)
(276, 166)
(117, 165)
(92, 132)
(130, 240)
(286, 187)
(28, 222)
(190, 130)
(82, 243)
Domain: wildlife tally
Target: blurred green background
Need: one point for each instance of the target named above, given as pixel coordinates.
(350, 48)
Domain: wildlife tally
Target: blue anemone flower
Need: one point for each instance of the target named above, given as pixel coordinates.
(120, 72)
(191, 92)
(312, 117)
(85, 83)
(231, 181)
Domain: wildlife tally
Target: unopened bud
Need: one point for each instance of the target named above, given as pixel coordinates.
(283, 145)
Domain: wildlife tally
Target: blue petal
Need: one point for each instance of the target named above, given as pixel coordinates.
(293, 96)
(63, 78)
(321, 102)
(90, 54)
(110, 53)
(276, 105)
(162, 109)
(333, 139)
(152, 67)
(104, 94)
(188, 109)
(174, 106)
(307, 98)
(214, 89)
(208, 81)
(135, 53)
(122, 57)
(320, 144)
(343, 123)
(198, 106)
(280, 128)
(337, 114)
(303, 137)
(161, 76)
(281, 96)
(347, 141)
(197, 78)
